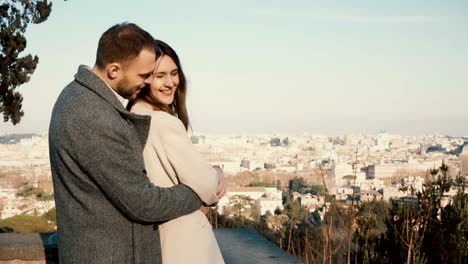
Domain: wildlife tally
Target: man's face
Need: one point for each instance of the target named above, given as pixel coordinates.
(136, 74)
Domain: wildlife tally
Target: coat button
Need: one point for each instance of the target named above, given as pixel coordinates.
(155, 227)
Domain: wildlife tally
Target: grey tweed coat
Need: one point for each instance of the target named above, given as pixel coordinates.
(107, 209)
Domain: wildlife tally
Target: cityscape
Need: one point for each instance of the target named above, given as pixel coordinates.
(339, 126)
(288, 188)
(372, 167)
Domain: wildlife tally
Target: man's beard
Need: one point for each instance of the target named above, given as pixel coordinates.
(124, 90)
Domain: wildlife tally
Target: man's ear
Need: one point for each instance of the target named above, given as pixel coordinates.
(114, 70)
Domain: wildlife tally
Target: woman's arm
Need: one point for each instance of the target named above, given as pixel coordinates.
(191, 168)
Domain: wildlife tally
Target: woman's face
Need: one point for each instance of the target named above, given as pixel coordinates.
(166, 80)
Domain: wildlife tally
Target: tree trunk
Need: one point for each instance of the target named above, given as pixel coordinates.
(289, 239)
(356, 250)
(408, 259)
(325, 246)
(306, 242)
(329, 241)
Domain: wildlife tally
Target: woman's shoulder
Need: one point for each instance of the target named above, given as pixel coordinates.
(165, 122)
(141, 108)
(164, 118)
(160, 120)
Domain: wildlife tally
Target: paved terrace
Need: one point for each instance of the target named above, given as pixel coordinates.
(238, 246)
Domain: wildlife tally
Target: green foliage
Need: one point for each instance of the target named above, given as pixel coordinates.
(316, 189)
(261, 184)
(6, 229)
(15, 70)
(51, 215)
(447, 228)
(265, 217)
(429, 227)
(277, 211)
(29, 223)
(299, 185)
(29, 191)
(423, 229)
(296, 184)
(349, 177)
(294, 211)
(45, 197)
(242, 206)
(37, 192)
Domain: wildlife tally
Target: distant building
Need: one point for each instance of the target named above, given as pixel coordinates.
(464, 160)
(340, 171)
(256, 165)
(308, 200)
(415, 183)
(435, 148)
(17, 207)
(383, 141)
(367, 196)
(228, 166)
(396, 143)
(195, 139)
(10, 210)
(374, 184)
(198, 139)
(387, 172)
(245, 164)
(423, 150)
(271, 197)
(272, 192)
(275, 142)
(268, 204)
(392, 192)
(251, 165)
(379, 171)
(287, 168)
(343, 193)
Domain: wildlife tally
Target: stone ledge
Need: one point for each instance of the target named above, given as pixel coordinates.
(238, 246)
(32, 247)
(244, 246)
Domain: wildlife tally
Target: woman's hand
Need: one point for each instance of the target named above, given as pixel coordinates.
(205, 209)
(221, 191)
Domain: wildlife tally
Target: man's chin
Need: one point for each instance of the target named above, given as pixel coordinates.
(132, 97)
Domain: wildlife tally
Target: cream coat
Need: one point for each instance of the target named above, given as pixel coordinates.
(170, 158)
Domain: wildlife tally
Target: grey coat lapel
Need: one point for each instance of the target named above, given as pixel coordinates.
(88, 79)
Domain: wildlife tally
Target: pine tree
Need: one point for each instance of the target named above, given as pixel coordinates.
(16, 69)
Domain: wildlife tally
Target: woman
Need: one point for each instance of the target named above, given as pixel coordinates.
(170, 159)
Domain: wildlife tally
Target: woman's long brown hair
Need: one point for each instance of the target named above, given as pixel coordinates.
(178, 107)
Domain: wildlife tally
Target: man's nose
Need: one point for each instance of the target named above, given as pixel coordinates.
(149, 80)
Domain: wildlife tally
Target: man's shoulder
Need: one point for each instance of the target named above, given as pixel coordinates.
(76, 92)
(78, 103)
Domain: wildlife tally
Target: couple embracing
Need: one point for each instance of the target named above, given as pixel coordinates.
(129, 187)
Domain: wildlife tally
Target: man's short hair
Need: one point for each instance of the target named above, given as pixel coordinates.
(121, 43)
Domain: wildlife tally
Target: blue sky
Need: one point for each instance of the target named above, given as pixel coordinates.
(330, 67)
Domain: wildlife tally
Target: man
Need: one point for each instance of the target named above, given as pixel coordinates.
(107, 210)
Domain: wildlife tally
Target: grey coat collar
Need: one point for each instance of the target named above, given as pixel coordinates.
(88, 79)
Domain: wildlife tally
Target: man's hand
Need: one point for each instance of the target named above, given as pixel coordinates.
(221, 191)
